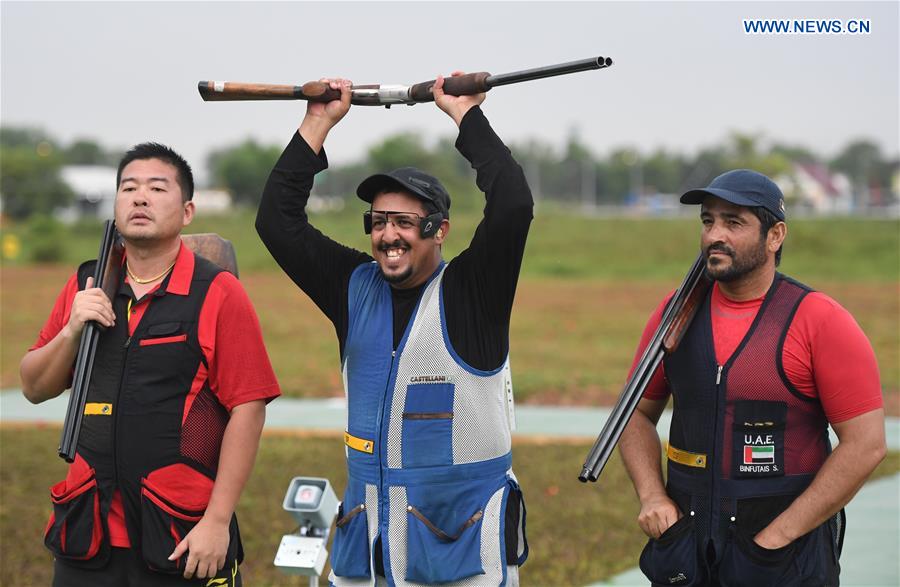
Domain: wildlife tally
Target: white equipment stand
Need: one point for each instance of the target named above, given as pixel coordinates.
(313, 504)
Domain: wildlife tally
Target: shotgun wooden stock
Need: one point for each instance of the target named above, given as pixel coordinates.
(676, 319)
(213, 248)
(235, 91)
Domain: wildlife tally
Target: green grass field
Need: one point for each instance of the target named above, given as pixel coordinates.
(588, 286)
(577, 533)
(572, 341)
(566, 244)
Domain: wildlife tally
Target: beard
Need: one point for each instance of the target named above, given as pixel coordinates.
(397, 277)
(741, 264)
(403, 275)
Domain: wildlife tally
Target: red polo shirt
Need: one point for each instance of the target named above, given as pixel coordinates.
(826, 355)
(230, 337)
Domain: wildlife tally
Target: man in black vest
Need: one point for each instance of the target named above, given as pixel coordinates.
(175, 405)
(754, 493)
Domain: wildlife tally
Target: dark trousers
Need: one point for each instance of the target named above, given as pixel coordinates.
(125, 569)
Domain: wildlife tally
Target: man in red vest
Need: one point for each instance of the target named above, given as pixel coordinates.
(754, 493)
(175, 405)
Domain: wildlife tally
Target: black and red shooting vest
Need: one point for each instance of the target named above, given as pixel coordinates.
(152, 428)
(743, 443)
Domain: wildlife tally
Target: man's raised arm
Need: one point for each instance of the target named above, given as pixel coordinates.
(317, 264)
(497, 247)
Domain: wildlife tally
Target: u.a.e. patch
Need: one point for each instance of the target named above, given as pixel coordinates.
(758, 439)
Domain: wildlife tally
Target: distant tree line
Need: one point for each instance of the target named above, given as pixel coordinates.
(577, 175)
(573, 175)
(30, 163)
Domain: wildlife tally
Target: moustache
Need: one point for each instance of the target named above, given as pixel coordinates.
(720, 247)
(397, 244)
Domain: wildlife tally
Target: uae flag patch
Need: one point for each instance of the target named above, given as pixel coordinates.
(757, 448)
(759, 455)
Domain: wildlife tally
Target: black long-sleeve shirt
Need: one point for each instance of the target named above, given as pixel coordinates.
(479, 284)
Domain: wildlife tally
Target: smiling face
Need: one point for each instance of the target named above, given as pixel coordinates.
(405, 258)
(149, 203)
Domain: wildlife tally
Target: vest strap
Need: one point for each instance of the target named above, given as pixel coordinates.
(360, 444)
(687, 458)
(97, 409)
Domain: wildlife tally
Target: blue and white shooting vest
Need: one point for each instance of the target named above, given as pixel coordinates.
(428, 449)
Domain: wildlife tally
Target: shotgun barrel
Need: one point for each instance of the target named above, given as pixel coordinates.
(389, 95)
(106, 276)
(525, 75)
(675, 320)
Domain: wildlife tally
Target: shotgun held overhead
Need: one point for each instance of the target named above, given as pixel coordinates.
(388, 95)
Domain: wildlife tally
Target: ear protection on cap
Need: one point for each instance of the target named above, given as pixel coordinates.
(430, 225)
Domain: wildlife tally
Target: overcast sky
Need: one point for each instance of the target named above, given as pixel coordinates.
(685, 74)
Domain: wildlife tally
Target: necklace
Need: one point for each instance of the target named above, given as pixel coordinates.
(137, 279)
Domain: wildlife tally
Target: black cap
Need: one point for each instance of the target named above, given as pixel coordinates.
(411, 180)
(743, 187)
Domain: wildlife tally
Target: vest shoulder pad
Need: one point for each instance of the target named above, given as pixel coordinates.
(86, 270)
(794, 282)
(204, 269)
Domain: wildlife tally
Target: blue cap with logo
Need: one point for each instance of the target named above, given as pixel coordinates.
(743, 187)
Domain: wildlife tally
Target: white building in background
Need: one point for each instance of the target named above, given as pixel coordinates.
(95, 194)
(95, 191)
(209, 202)
(825, 191)
(818, 189)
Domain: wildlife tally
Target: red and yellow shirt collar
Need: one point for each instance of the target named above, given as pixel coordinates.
(179, 282)
(182, 273)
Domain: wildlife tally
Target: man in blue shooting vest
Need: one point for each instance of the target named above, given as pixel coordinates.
(754, 493)
(431, 497)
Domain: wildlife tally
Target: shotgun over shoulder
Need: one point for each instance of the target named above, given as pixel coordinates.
(676, 318)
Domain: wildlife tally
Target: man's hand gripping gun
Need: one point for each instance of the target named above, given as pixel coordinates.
(388, 95)
(107, 276)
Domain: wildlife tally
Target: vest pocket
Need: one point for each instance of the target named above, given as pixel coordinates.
(443, 529)
(350, 550)
(75, 529)
(515, 541)
(173, 500)
(428, 425)
(166, 333)
(163, 340)
(745, 563)
(672, 559)
(758, 439)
